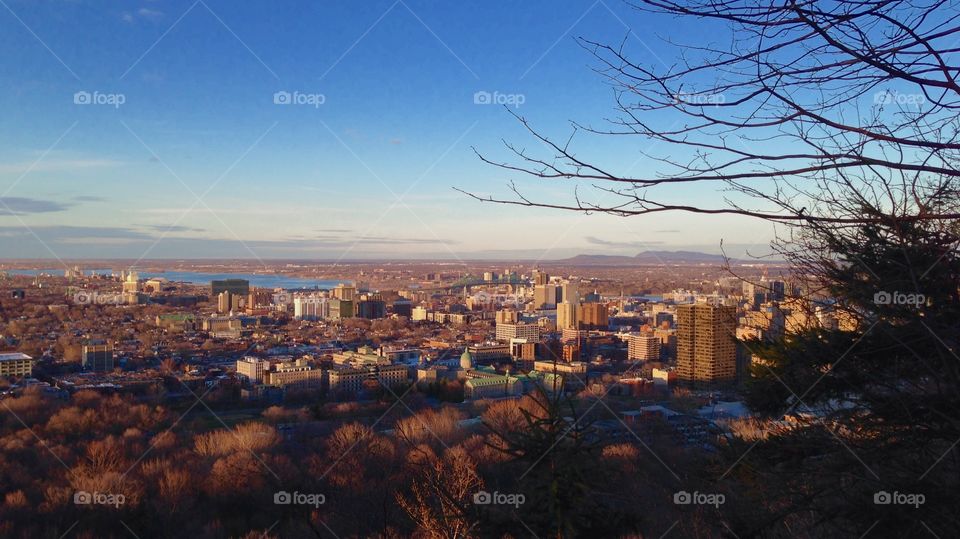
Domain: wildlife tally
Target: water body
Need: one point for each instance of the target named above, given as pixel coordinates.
(259, 280)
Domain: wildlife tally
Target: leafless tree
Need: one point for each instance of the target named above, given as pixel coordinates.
(831, 112)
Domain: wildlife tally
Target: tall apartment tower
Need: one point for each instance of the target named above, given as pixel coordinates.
(97, 355)
(570, 292)
(545, 296)
(593, 316)
(706, 345)
(567, 316)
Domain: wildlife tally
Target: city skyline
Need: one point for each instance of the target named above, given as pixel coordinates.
(179, 129)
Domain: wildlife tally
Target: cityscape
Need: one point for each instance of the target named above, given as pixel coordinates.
(434, 280)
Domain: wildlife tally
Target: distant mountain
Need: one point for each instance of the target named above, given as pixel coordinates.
(646, 258)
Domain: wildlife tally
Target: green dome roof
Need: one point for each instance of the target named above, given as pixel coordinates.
(466, 360)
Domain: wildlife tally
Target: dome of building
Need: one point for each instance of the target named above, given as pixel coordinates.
(466, 360)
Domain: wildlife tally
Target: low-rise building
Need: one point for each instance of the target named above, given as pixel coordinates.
(15, 364)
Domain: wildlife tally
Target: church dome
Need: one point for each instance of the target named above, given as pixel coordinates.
(466, 360)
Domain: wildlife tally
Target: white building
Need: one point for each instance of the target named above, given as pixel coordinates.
(508, 332)
(310, 308)
(253, 368)
(16, 364)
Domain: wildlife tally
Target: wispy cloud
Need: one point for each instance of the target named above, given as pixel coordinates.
(143, 13)
(24, 205)
(621, 244)
(56, 165)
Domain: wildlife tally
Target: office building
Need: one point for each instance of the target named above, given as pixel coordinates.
(527, 332)
(545, 296)
(253, 369)
(402, 307)
(507, 316)
(341, 309)
(594, 316)
(240, 287)
(97, 356)
(706, 345)
(15, 364)
(570, 292)
(567, 316)
(419, 314)
(351, 380)
(662, 319)
(296, 374)
(371, 309)
(344, 292)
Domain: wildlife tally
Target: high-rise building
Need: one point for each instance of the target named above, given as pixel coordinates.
(371, 309)
(570, 292)
(240, 287)
(341, 308)
(402, 307)
(540, 277)
(594, 316)
(706, 345)
(419, 314)
(643, 347)
(97, 355)
(507, 316)
(567, 316)
(528, 332)
(344, 292)
(310, 308)
(663, 317)
(230, 302)
(259, 297)
(545, 296)
(131, 288)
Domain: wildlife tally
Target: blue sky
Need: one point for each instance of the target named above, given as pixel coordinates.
(199, 161)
